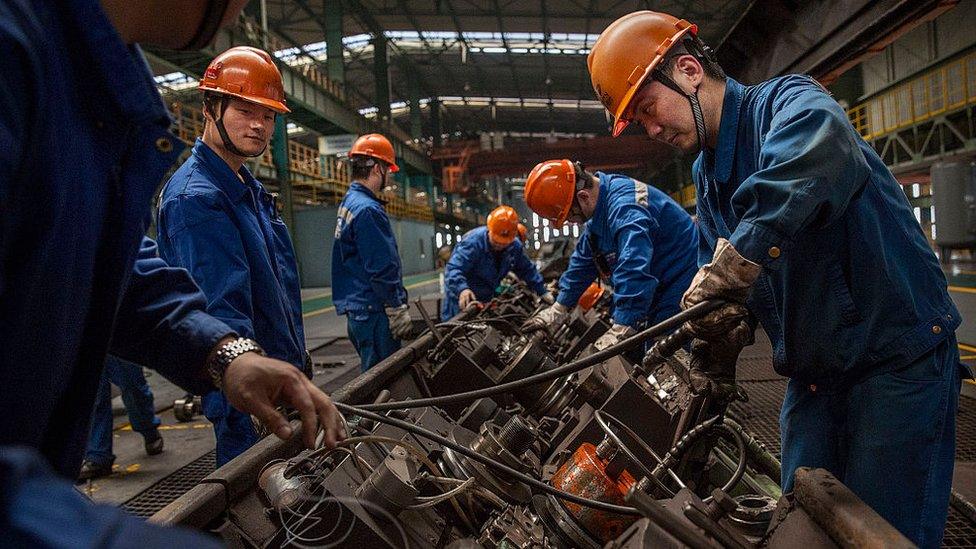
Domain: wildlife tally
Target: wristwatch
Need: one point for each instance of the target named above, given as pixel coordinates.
(226, 354)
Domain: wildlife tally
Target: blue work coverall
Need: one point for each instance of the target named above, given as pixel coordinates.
(650, 245)
(851, 296)
(139, 406)
(226, 231)
(367, 275)
(475, 266)
(84, 143)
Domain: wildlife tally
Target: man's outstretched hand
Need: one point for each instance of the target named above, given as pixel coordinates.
(256, 384)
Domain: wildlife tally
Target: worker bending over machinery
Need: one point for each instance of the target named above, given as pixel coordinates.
(635, 237)
(805, 227)
(367, 277)
(482, 258)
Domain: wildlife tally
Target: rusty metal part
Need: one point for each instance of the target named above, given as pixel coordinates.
(847, 520)
(585, 474)
(185, 408)
(752, 514)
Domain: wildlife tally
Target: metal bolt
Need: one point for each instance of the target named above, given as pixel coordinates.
(516, 435)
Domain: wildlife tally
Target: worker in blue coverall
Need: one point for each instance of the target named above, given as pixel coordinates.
(367, 277)
(139, 406)
(219, 223)
(482, 258)
(635, 237)
(804, 227)
(84, 143)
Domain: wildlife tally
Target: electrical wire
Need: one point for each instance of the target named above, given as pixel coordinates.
(470, 454)
(575, 366)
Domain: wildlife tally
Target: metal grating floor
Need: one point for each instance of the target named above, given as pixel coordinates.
(159, 495)
(760, 416)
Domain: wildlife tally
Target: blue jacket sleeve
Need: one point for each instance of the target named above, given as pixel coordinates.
(526, 271)
(580, 273)
(382, 260)
(196, 233)
(810, 167)
(40, 509)
(455, 272)
(162, 322)
(633, 284)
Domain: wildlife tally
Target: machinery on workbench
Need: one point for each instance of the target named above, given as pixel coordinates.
(482, 436)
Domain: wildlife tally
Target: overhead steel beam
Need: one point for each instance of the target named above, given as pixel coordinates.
(311, 105)
(822, 38)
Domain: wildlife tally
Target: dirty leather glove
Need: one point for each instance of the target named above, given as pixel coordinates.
(400, 323)
(616, 334)
(550, 319)
(729, 277)
(548, 298)
(466, 298)
(712, 367)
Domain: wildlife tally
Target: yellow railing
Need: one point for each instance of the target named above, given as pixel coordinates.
(945, 88)
(319, 179)
(686, 196)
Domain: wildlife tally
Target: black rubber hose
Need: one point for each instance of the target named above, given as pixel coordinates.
(470, 454)
(677, 320)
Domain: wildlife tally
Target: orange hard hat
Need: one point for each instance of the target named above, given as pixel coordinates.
(503, 225)
(590, 296)
(626, 53)
(246, 73)
(523, 233)
(549, 190)
(376, 146)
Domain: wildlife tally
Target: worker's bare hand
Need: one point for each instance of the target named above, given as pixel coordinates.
(256, 384)
(466, 298)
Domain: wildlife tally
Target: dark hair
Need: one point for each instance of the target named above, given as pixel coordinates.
(360, 166)
(694, 47)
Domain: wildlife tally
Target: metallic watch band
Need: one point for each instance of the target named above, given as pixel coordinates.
(226, 354)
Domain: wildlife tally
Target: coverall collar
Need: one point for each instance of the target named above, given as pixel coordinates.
(131, 87)
(357, 186)
(223, 177)
(723, 157)
(600, 211)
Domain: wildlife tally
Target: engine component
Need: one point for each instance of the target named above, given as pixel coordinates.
(185, 408)
(752, 515)
(515, 526)
(593, 472)
(390, 486)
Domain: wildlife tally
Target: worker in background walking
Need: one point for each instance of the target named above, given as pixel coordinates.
(218, 222)
(139, 406)
(635, 237)
(805, 227)
(482, 258)
(79, 165)
(367, 277)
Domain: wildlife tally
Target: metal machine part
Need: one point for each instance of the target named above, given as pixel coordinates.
(185, 408)
(390, 486)
(752, 515)
(515, 526)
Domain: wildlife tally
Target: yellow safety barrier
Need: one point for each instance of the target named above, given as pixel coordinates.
(316, 179)
(943, 89)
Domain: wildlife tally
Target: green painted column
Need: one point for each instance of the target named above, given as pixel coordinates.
(279, 155)
(381, 77)
(435, 120)
(335, 61)
(416, 123)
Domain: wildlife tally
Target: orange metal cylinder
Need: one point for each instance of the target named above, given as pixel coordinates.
(585, 474)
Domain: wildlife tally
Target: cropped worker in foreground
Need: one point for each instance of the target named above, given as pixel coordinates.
(482, 258)
(80, 279)
(218, 222)
(367, 277)
(805, 227)
(635, 237)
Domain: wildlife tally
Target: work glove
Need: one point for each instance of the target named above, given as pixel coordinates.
(616, 334)
(728, 277)
(400, 323)
(550, 319)
(466, 298)
(548, 298)
(712, 366)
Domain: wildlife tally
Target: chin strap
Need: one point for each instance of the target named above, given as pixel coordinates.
(224, 136)
(208, 26)
(696, 110)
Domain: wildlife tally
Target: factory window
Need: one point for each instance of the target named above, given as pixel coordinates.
(535, 220)
(545, 234)
(933, 215)
(537, 244)
(450, 239)
(933, 231)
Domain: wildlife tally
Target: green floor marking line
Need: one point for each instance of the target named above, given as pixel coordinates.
(324, 301)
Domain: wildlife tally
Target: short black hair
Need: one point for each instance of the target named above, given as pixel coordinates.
(360, 167)
(695, 47)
